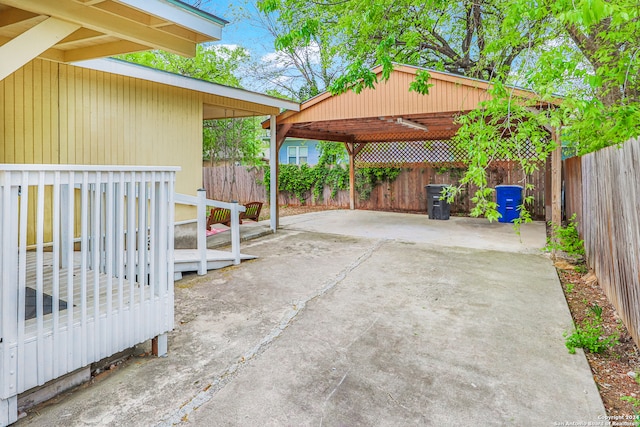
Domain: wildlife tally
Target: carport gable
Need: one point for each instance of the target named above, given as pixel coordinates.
(390, 125)
(390, 112)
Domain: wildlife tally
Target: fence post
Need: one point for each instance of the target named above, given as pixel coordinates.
(202, 231)
(235, 232)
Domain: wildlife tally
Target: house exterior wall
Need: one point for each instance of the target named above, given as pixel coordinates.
(60, 114)
(312, 146)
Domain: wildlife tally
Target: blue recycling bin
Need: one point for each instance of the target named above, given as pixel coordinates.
(508, 198)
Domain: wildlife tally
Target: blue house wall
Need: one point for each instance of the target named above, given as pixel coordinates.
(312, 150)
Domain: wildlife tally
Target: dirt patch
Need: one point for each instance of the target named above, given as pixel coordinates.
(616, 371)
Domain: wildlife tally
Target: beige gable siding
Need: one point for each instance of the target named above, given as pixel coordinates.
(392, 97)
(29, 124)
(61, 114)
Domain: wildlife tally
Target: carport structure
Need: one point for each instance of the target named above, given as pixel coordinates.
(391, 113)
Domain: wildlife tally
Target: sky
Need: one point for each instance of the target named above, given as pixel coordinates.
(241, 30)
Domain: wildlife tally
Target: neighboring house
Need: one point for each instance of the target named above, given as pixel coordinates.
(91, 155)
(296, 151)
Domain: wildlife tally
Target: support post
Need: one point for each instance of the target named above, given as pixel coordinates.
(556, 181)
(201, 233)
(273, 182)
(28, 45)
(352, 175)
(160, 345)
(235, 232)
(8, 410)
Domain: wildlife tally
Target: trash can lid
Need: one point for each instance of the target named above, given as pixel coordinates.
(509, 186)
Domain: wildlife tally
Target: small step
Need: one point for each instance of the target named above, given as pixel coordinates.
(189, 260)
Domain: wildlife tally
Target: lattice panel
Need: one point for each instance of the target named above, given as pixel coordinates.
(417, 153)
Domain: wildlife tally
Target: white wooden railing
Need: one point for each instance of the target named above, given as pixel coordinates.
(86, 268)
(202, 202)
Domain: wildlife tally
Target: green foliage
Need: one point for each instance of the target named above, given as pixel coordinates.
(368, 178)
(566, 239)
(450, 36)
(237, 140)
(596, 310)
(301, 180)
(636, 406)
(587, 51)
(570, 287)
(304, 179)
(218, 64)
(590, 336)
(581, 269)
(332, 153)
(487, 135)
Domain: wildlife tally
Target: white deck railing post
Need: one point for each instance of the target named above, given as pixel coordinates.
(100, 301)
(202, 230)
(235, 232)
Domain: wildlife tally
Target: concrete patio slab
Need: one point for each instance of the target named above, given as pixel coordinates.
(359, 318)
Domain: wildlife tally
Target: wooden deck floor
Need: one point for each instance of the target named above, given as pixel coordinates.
(114, 294)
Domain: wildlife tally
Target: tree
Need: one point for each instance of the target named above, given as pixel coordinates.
(299, 70)
(585, 49)
(218, 64)
(450, 36)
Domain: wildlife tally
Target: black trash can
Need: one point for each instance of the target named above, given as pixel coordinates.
(436, 208)
(508, 198)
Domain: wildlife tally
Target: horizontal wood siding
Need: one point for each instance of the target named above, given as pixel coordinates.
(610, 180)
(407, 193)
(393, 97)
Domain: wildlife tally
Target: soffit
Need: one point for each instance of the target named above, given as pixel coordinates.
(110, 27)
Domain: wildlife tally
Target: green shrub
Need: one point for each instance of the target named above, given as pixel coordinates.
(591, 337)
(566, 239)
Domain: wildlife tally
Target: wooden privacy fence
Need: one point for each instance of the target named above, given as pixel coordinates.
(602, 188)
(406, 193)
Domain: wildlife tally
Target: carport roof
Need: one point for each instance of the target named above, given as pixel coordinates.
(390, 112)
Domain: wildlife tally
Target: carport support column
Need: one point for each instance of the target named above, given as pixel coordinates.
(556, 181)
(352, 174)
(273, 177)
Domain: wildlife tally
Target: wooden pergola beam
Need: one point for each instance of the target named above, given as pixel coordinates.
(102, 50)
(33, 42)
(103, 21)
(320, 136)
(13, 16)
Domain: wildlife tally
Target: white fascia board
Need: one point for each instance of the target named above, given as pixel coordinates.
(180, 16)
(128, 69)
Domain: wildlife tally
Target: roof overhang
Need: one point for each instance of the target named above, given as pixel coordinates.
(75, 30)
(216, 96)
(391, 112)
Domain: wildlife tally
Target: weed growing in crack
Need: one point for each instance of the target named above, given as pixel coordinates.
(596, 310)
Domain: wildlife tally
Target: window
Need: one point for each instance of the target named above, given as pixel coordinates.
(297, 155)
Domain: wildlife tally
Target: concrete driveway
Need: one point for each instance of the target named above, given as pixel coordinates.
(359, 318)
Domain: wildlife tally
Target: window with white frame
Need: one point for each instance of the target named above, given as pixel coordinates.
(297, 155)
